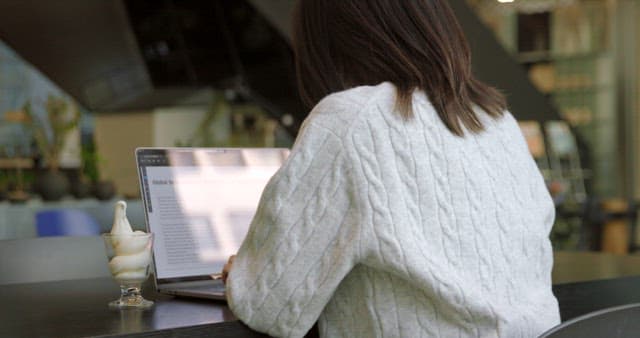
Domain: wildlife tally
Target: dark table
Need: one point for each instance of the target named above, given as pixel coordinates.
(78, 308)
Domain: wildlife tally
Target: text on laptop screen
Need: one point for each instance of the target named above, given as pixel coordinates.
(200, 205)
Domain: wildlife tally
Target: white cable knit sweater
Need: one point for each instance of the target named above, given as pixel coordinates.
(380, 227)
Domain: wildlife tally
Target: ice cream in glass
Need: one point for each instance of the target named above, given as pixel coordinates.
(129, 254)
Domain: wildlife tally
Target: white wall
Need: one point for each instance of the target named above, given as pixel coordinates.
(117, 135)
(175, 124)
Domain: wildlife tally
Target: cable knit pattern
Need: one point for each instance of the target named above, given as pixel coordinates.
(382, 227)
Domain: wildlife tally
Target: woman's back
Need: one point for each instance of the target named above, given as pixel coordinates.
(459, 228)
(419, 232)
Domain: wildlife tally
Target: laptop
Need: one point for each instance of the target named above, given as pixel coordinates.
(199, 203)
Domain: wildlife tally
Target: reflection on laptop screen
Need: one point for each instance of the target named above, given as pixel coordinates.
(199, 203)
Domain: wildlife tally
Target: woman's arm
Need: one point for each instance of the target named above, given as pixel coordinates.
(302, 242)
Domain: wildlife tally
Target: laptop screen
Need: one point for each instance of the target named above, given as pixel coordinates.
(199, 204)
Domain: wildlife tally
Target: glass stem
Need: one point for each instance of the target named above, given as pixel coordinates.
(130, 292)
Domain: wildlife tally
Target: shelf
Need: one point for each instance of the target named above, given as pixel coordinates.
(16, 163)
(580, 90)
(548, 56)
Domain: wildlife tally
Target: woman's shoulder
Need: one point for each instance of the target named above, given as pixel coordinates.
(360, 96)
(339, 111)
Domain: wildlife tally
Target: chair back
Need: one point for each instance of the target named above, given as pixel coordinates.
(66, 222)
(619, 321)
(45, 259)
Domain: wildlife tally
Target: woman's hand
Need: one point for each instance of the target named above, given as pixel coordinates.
(227, 268)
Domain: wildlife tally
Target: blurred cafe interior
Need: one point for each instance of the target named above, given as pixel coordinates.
(83, 83)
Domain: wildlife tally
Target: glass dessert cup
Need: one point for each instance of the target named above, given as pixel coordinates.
(129, 258)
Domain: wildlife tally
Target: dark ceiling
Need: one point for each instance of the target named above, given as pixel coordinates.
(86, 47)
(124, 55)
(223, 43)
(204, 42)
(128, 54)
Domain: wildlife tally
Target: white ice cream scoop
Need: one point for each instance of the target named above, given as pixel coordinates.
(133, 262)
(130, 243)
(132, 275)
(120, 222)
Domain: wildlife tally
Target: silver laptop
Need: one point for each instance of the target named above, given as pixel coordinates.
(199, 203)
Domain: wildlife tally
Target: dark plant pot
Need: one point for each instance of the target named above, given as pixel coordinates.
(52, 185)
(18, 197)
(3, 194)
(80, 189)
(104, 190)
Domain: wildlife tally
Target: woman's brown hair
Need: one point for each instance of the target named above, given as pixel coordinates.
(414, 44)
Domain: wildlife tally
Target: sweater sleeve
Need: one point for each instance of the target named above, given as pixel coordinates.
(302, 242)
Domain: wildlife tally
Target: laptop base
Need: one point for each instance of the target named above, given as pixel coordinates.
(213, 290)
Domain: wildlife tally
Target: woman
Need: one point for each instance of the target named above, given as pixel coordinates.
(410, 205)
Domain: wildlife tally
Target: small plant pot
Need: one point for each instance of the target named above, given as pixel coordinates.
(3, 194)
(18, 197)
(80, 189)
(104, 190)
(52, 185)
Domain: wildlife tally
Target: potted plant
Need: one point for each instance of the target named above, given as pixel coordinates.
(102, 189)
(50, 136)
(80, 186)
(4, 189)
